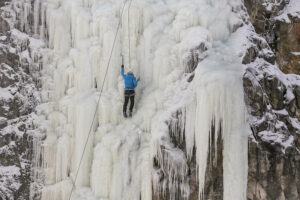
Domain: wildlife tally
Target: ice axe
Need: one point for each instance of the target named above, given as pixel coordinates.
(122, 59)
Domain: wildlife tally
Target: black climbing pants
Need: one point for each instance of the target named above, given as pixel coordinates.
(129, 95)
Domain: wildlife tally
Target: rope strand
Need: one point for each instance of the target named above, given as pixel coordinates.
(129, 32)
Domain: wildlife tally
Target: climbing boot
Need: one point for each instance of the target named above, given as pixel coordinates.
(124, 114)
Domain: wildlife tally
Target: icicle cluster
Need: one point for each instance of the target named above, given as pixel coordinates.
(168, 38)
(222, 109)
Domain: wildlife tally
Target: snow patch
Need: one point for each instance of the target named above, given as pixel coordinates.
(292, 9)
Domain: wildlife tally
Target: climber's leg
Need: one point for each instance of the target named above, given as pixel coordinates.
(131, 105)
(125, 105)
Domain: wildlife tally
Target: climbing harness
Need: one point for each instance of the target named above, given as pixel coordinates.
(98, 102)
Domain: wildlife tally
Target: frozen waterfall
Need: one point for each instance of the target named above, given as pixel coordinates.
(167, 41)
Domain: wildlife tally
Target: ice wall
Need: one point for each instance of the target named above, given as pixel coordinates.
(164, 37)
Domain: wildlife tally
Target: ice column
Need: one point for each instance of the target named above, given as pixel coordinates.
(117, 163)
(220, 103)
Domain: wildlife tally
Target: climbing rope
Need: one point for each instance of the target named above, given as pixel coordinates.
(129, 33)
(98, 102)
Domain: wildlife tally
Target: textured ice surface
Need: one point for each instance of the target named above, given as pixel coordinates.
(164, 35)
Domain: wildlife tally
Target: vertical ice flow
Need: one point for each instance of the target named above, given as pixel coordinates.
(224, 109)
(164, 36)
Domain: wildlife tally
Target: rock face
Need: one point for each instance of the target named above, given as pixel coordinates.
(273, 175)
(288, 45)
(273, 149)
(18, 99)
(280, 26)
(272, 100)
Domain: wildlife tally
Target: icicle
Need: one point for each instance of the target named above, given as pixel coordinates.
(36, 15)
(117, 163)
(220, 101)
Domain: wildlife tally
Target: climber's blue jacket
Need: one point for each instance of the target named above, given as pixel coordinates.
(129, 80)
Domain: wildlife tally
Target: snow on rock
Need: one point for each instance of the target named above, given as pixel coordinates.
(271, 97)
(8, 174)
(18, 98)
(5, 94)
(291, 10)
(296, 53)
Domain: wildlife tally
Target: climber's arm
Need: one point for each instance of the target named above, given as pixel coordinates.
(122, 71)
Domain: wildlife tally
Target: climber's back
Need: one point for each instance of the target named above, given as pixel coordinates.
(129, 80)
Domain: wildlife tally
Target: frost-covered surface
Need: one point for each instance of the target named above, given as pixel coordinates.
(276, 125)
(18, 98)
(8, 181)
(291, 10)
(168, 41)
(168, 38)
(271, 97)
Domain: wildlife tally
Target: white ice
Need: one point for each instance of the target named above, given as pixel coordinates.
(118, 161)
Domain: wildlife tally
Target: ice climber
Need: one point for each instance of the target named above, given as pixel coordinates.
(129, 93)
